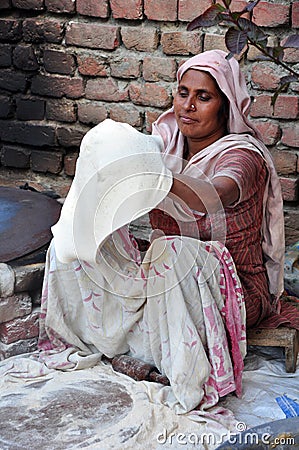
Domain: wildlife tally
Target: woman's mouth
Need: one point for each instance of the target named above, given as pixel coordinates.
(187, 119)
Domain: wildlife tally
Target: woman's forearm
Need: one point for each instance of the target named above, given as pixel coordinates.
(204, 196)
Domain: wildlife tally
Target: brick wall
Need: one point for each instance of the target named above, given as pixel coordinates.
(20, 297)
(66, 65)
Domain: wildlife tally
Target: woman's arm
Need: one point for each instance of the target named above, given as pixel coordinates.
(203, 196)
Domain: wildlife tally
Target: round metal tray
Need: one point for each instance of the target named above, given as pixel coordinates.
(26, 218)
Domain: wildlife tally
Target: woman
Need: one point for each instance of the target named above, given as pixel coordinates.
(208, 127)
(181, 306)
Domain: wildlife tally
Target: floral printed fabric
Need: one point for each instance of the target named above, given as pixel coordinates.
(181, 308)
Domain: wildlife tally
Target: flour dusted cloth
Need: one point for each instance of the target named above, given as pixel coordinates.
(119, 177)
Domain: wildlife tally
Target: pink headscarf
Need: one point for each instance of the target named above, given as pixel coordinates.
(243, 134)
(231, 82)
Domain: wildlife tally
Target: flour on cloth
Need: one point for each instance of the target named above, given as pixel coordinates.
(56, 411)
(31, 390)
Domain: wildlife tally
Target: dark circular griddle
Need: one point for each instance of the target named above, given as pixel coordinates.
(26, 218)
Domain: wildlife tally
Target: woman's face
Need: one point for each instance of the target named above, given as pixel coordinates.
(197, 104)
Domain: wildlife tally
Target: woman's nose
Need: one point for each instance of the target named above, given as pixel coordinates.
(190, 104)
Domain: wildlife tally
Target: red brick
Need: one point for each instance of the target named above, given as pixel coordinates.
(285, 162)
(59, 62)
(140, 38)
(17, 305)
(6, 107)
(70, 136)
(238, 5)
(91, 112)
(30, 108)
(156, 69)
(70, 164)
(126, 9)
(10, 30)
(24, 58)
(57, 86)
(60, 6)
(62, 186)
(189, 9)
(61, 110)
(289, 187)
(21, 328)
(150, 117)
(291, 55)
(5, 55)
(36, 5)
(46, 162)
(270, 131)
(15, 157)
(286, 107)
(42, 30)
(127, 114)
(105, 89)
(265, 76)
(127, 67)
(161, 9)
(92, 35)
(92, 65)
(181, 42)
(267, 14)
(93, 8)
(295, 14)
(150, 94)
(291, 220)
(290, 134)
(212, 41)
(29, 277)
(29, 133)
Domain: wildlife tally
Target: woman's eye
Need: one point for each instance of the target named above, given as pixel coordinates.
(203, 99)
